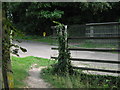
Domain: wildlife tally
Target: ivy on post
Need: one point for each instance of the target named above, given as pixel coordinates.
(64, 63)
(8, 32)
(6, 63)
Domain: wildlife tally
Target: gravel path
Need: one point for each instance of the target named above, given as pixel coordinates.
(34, 79)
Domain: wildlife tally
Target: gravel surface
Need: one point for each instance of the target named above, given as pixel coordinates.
(34, 79)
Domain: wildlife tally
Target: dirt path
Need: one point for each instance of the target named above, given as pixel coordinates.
(34, 79)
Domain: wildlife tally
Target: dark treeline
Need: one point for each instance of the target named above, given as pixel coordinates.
(36, 17)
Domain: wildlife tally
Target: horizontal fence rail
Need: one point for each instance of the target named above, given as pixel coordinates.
(92, 60)
(95, 31)
(97, 24)
(90, 38)
(91, 49)
(94, 38)
(95, 60)
(93, 69)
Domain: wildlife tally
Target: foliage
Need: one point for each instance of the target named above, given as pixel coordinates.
(40, 13)
(64, 65)
(21, 66)
(8, 31)
(80, 80)
(37, 17)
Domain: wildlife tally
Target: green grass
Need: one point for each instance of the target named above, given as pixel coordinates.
(96, 45)
(75, 43)
(89, 44)
(47, 39)
(21, 66)
(80, 80)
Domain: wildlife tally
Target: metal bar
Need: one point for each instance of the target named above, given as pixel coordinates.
(54, 57)
(90, 37)
(94, 60)
(109, 23)
(93, 69)
(53, 48)
(104, 33)
(91, 49)
(94, 38)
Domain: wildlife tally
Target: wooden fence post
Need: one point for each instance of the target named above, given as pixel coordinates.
(6, 60)
(64, 64)
(0, 45)
(66, 37)
(91, 31)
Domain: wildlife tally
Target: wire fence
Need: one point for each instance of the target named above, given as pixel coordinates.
(101, 30)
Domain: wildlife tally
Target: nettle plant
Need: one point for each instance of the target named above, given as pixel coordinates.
(64, 63)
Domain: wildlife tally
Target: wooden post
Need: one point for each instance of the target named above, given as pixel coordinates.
(0, 45)
(66, 37)
(4, 55)
(91, 32)
(64, 64)
(6, 60)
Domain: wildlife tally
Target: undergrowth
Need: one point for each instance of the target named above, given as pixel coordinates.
(79, 80)
(20, 67)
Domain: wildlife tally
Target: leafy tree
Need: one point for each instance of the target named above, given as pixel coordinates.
(34, 17)
(37, 17)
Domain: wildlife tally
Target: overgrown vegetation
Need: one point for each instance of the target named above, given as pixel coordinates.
(20, 67)
(37, 17)
(8, 32)
(64, 64)
(80, 80)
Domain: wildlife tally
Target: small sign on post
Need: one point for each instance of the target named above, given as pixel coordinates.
(44, 34)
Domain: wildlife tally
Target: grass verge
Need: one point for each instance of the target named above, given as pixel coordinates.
(80, 80)
(96, 45)
(47, 39)
(21, 66)
(73, 43)
(90, 44)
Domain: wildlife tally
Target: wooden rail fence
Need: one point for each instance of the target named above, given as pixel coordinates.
(96, 50)
(92, 60)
